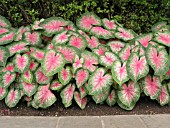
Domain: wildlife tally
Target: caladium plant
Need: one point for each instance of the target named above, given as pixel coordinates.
(4, 54)
(65, 75)
(82, 76)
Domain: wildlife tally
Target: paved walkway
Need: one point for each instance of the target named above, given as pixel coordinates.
(118, 121)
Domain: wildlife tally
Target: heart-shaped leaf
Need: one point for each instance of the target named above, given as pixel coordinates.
(111, 99)
(65, 75)
(82, 76)
(7, 38)
(38, 54)
(116, 46)
(82, 102)
(3, 93)
(83, 91)
(29, 89)
(56, 85)
(7, 79)
(27, 76)
(4, 22)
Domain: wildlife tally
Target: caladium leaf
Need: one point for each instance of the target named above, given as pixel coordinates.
(52, 63)
(82, 102)
(38, 54)
(4, 54)
(119, 72)
(44, 97)
(50, 46)
(87, 20)
(125, 52)
(33, 38)
(82, 76)
(27, 76)
(162, 38)
(70, 26)
(144, 39)
(19, 47)
(35, 25)
(109, 24)
(21, 63)
(92, 42)
(107, 59)
(158, 60)
(3, 93)
(9, 67)
(137, 67)
(152, 86)
(112, 98)
(78, 63)
(67, 95)
(61, 38)
(56, 85)
(101, 97)
(139, 49)
(12, 98)
(90, 59)
(7, 79)
(116, 46)
(129, 93)
(68, 52)
(33, 65)
(3, 30)
(29, 89)
(41, 78)
(21, 31)
(4, 22)
(83, 91)
(78, 42)
(125, 34)
(100, 50)
(7, 38)
(53, 25)
(101, 33)
(164, 97)
(99, 81)
(158, 25)
(65, 75)
(124, 106)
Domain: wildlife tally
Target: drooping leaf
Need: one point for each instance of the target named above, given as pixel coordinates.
(4, 54)
(158, 60)
(7, 79)
(29, 89)
(112, 98)
(52, 63)
(4, 22)
(67, 95)
(44, 97)
(164, 97)
(119, 72)
(116, 46)
(56, 85)
(137, 67)
(82, 102)
(3, 93)
(65, 75)
(27, 76)
(82, 76)
(99, 81)
(7, 38)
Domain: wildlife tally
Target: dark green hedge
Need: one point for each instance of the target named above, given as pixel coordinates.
(138, 15)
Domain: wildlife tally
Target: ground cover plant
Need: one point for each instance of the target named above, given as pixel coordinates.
(94, 59)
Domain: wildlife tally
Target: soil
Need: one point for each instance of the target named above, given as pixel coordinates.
(143, 106)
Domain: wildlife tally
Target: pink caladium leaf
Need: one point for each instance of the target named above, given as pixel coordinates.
(107, 59)
(33, 38)
(101, 97)
(92, 42)
(164, 97)
(9, 67)
(158, 60)
(18, 47)
(52, 63)
(100, 50)
(158, 25)
(7, 38)
(99, 81)
(21, 63)
(101, 33)
(83, 91)
(138, 49)
(4, 22)
(21, 31)
(56, 85)
(87, 20)
(70, 26)
(125, 34)
(116, 46)
(119, 72)
(78, 42)
(53, 25)
(78, 63)
(82, 102)
(125, 52)
(7, 79)
(3, 93)
(152, 86)
(33, 65)
(38, 54)
(50, 46)
(61, 38)
(137, 67)
(124, 106)
(68, 52)
(35, 25)
(41, 78)
(67, 95)
(129, 93)
(3, 30)
(4, 54)
(112, 98)
(12, 98)
(44, 97)
(29, 89)
(90, 60)
(109, 24)
(144, 39)
(82, 76)
(27, 76)
(162, 38)
(65, 75)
